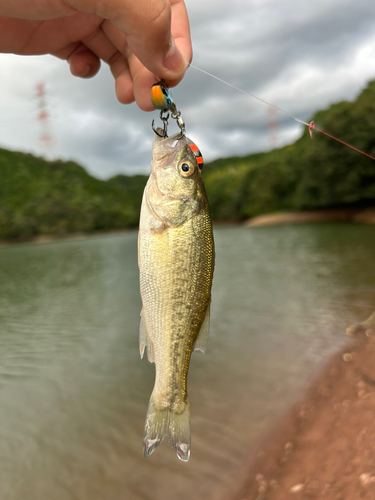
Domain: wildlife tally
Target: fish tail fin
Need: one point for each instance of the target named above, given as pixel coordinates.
(170, 423)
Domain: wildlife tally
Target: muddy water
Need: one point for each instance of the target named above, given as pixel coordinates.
(74, 393)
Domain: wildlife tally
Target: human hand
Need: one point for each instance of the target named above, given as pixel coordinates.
(141, 40)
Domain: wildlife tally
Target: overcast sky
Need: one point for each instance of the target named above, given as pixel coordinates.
(300, 56)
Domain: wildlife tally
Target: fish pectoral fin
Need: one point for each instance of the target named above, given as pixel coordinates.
(157, 226)
(142, 336)
(201, 342)
(144, 340)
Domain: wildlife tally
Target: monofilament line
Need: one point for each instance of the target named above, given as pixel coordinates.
(316, 129)
(248, 93)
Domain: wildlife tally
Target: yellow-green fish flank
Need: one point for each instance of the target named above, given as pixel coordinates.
(176, 262)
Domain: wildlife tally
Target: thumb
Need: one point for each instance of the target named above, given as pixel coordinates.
(149, 36)
(149, 26)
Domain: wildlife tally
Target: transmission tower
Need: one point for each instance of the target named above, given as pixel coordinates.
(46, 140)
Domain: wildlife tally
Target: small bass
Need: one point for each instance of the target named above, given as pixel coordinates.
(176, 263)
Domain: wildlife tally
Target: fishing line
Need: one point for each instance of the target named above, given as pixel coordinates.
(311, 126)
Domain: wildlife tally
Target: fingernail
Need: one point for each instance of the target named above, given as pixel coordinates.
(174, 61)
(87, 72)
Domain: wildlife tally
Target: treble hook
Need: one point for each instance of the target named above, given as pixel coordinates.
(164, 119)
(164, 134)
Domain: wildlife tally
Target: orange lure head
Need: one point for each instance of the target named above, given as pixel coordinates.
(161, 97)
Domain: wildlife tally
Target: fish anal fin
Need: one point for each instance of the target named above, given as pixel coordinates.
(201, 342)
(144, 340)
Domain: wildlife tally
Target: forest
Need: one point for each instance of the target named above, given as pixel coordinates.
(39, 197)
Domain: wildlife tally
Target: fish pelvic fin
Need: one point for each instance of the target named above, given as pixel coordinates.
(168, 423)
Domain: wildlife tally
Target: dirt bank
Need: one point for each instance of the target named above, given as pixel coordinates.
(325, 447)
(359, 216)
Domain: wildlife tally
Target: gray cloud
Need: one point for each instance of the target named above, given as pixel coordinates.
(300, 56)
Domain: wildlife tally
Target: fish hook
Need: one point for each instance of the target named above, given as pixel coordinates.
(164, 119)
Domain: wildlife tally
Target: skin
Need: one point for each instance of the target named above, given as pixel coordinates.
(142, 41)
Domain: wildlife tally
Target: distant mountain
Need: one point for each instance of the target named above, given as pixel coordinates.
(38, 197)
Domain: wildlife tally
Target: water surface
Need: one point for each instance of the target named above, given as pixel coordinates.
(74, 392)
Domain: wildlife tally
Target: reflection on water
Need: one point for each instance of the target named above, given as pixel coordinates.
(74, 393)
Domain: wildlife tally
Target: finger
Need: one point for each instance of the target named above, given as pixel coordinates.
(136, 75)
(147, 26)
(43, 9)
(124, 88)
(154, 45)
(83, 62)
(181, 29)
(101, 45)
(123, 80)
(143, 80)
(146, 78)
(142, 83)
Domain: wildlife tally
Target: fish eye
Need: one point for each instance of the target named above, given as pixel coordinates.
(186, 168)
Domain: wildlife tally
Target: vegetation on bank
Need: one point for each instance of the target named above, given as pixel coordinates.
(309, 174)
(55, 198)
(39, 197)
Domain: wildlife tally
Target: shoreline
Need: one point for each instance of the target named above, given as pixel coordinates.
(50, 238)
(352, 215)
(349, 215)
(323, 447)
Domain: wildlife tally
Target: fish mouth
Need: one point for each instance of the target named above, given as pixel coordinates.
(168, 145)
(178, 149)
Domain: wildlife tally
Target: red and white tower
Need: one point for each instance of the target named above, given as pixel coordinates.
(46, 140)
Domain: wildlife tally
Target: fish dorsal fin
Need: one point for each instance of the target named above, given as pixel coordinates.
(201, 342)
(144, 340)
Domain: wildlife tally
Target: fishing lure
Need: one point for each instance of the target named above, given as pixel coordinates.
(162, 99)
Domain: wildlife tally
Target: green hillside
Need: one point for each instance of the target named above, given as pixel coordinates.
(39, 197)
(308, 174)
(55, 198)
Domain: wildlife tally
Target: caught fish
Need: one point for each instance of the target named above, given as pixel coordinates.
(176, 262)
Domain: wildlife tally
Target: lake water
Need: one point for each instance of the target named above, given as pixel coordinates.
(74, 392)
